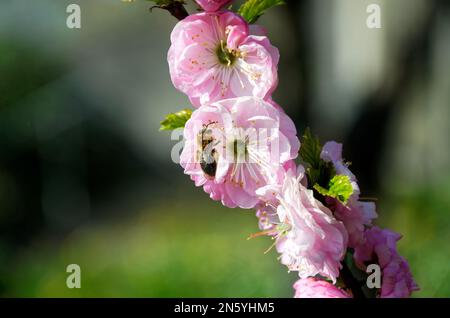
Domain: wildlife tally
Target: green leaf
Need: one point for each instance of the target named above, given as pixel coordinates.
(176, 120)
(317, 170)
(251, 10)
(310, 149)
(339, 187)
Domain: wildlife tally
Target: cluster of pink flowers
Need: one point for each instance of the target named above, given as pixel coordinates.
(240, 146)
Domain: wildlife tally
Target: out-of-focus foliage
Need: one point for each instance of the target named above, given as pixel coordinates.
(180, 248)
(421, 215)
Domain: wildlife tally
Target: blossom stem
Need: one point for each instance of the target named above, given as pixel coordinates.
(176, 9)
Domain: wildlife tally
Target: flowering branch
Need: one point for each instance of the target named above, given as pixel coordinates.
(241, 147)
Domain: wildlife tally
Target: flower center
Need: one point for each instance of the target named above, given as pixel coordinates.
(240, 151)
(226, 56)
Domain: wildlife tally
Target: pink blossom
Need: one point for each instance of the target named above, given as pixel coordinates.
(316, 288)
(355, 215)
(213, 56)
(380, 248)
(315, 242)
(212, 5)
(266, 209)
(247, 143)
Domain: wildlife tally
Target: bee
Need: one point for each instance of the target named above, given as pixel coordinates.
(208, 156)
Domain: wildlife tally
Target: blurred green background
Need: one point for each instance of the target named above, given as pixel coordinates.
(86, 178)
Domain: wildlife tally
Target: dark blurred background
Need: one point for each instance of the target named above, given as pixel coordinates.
(86, 177)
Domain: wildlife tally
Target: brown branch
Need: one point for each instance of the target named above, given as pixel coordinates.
(351, 282)
(175, 8)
